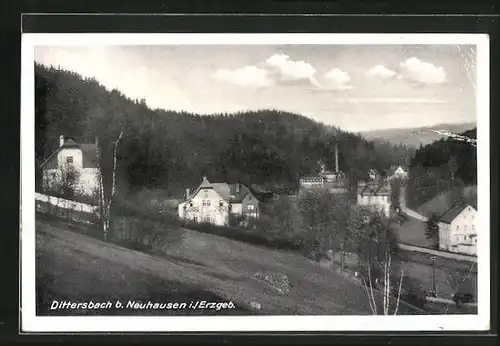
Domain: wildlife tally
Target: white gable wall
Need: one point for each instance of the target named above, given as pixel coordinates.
(205, 206)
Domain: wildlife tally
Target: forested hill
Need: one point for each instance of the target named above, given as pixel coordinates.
(442, 166)
(416, 136)
(174, 150)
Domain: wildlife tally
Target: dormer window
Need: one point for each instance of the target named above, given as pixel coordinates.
(69, 160)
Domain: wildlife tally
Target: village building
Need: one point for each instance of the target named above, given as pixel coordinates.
(396, 172)
(332, 181)
(457, 229)
(72, 165)
(215, 203)
(376, 195)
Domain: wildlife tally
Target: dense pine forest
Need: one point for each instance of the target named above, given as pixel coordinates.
(442, 166)
(173, 150)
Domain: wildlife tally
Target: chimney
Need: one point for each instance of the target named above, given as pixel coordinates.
(336, 159)
(61, 140)
(237, 187)
(187, 193)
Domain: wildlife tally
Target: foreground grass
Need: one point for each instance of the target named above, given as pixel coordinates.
(192, 266)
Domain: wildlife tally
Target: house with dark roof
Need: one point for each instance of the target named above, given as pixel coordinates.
(216, 202)
(375, 194)
(457, 229)
(72, 164)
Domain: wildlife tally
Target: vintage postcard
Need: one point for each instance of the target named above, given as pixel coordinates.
(255, 182)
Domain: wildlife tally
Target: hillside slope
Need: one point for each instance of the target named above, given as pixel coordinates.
(414, 137)
(200, 265)
(173, 150)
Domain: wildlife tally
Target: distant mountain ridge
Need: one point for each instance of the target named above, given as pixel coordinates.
(417, 135)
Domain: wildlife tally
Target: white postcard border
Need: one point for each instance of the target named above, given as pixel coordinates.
(32, 323)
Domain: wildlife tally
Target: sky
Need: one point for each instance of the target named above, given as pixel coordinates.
(354, 87)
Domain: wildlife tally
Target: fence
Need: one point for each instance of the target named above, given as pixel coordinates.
(66, 209)
(445, 254)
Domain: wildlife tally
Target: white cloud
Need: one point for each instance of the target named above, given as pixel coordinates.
(248, 76)
(291, 70)
(338, 79)
(422, 72)
(380, 71)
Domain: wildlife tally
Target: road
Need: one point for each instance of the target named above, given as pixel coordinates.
(407, 211)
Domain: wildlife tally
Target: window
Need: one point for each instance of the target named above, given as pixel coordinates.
(465, 238)
(190, 204)
(203, 203)
(458, 227)
(69, 160)
(251, 207)
(208, 203)
(195, 218)
(207, 218)
(473, 227)
(221, 204)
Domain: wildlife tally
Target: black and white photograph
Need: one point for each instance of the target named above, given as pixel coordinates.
(255, 182)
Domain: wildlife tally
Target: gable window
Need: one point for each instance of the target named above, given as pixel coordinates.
(190, 204)
(204, 203)
(208, 203)
(69, 160)
(251, 207)
(221, 204)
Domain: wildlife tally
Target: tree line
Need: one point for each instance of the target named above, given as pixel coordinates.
(173, 150)
(444, 165)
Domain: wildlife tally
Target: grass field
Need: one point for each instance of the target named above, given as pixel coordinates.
(194, 266)
(412, 232)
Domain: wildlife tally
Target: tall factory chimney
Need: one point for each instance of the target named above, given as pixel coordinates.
(336, 159)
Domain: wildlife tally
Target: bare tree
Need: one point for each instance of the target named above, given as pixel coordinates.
(106, 195)
(378, 232)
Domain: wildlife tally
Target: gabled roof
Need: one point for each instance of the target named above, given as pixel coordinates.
(236, 195)
(449, 215)
(374, 189)
(89, 153)
(228, 192)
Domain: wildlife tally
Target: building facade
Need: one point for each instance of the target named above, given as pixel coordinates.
(215, 203)
(72, 166)
(331, 181)
(376, 195)
(457, 229)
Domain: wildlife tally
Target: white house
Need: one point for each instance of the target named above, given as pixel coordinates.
(396, 172)
(71, 161)
(457, 229)
(376, 195)
(215, 202)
